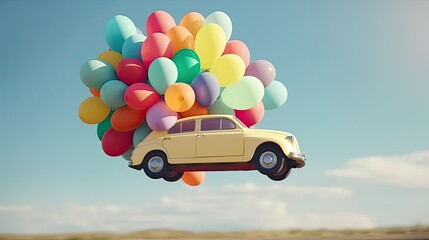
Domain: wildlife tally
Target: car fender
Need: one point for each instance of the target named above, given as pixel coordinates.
(142, 150)
(253, 142)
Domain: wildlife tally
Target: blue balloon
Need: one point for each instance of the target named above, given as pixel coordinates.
(206, 88)
(132, 46)
(275, 95)
(117, 30)
(95, 73)
(112, 93)
(141, 133)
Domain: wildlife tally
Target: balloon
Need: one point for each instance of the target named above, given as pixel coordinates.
(180, 38)
(222, 20)
(162, 73)
(115, 143)
(195, 110)
(159, 21)
(132, 46)
(188, 65)
(141, 133)
(219, 107)
(110, 57)
(117, 30)
(131, 71)
(103, 126)
(127, 154)
(112, 93)
(252, 115)
(262, 70)
(228, 69)
(275, 95)
(193, 21)
(156, 45)
(244, 94)
(93, 110)
(95, 92)
(209, 44)
(193, 178)
(206, 87)
(179, 97)
(160, 117)
(127, 119)
(141, 96)
(95, 73)
(240, 49)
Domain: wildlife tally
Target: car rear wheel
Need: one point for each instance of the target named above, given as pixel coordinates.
(172, 176)
(268, 159)
(155, 164)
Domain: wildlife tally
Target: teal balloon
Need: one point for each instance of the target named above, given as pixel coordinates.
(223, 20)
(219, 107)
(95, 73)
(162, 73)
(188, 65)
(244, 94)
(117, 30)
(112, 93)
(275, 95)
(141, 133)
(127, 154)
(132, 46)
(103, 126)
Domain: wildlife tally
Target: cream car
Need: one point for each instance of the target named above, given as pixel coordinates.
(216, 143)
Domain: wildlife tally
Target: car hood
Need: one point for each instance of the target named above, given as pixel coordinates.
(271, 132)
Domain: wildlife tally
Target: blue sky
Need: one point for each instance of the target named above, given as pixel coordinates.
(357, 75)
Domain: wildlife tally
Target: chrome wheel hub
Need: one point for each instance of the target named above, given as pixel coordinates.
(155, 164)
(268, 160)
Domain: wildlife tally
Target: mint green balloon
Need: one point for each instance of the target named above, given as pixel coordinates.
(244, 94)
(117, 30)
(188, 65)
(103, 126)
(223, 20)
(162, 73)
(219, 107)
(95, 73)
(275, 95)
(141, 133)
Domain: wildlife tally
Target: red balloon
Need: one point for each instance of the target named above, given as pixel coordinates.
(159, 21)
(251, 116)
(95, 92)
(131, 71)
(156, 45)
(116, 143)
(141, 96)
(239, 48)
(126, 119)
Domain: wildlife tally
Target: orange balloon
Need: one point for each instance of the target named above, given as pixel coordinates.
(180, 38)
(126, 119)
(193, 21)
(195, 110)
(179, 97)
(95, 92)
(92, 110)
(193, 178)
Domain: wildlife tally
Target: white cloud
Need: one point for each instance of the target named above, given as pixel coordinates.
(232, 207)
(409, 170)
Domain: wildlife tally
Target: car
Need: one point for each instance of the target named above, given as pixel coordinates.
(216, 143)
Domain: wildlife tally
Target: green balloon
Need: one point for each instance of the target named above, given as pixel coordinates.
(103, 126)
(243, 94)
(162, 73)
(188, 65)
(94, 73)
(275, 95)
(219, 107)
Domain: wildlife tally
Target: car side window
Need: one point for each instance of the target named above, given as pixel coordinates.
(188, 126)
(210, 124)
(227, 124)
(175, 129)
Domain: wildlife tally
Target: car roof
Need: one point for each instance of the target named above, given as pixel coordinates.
(206, 117)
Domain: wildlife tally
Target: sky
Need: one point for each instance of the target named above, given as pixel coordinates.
(357, 74)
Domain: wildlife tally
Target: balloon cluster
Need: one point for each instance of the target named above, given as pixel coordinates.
(143, 84)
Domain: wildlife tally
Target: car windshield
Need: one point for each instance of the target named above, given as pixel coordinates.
(240, 122)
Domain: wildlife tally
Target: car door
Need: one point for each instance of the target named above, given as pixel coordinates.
(219, 137)
(179, 141)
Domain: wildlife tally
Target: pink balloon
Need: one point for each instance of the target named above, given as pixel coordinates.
(140, 96)
(239, 48)
(262, 70)
(159, 21)
(131, 71)
(161, 118)
(116, 143)
(156, 45)
(251, 116)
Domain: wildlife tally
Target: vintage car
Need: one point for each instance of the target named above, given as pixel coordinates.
(216, 143)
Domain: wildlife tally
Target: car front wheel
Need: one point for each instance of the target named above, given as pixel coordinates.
(268, 159)
(283, 172)
(173, 176)
(155, 164)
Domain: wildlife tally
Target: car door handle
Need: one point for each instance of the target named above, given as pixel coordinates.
(167, 138)
(199, 135)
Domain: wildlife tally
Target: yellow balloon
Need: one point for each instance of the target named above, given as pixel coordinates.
(93, 110)
(210, 43)
(112, 57)
(179, 97)
(228, 69)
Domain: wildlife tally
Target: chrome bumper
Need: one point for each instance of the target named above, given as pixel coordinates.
(299, 158)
